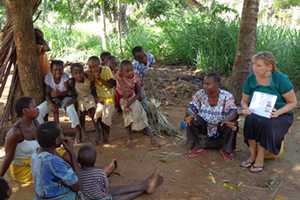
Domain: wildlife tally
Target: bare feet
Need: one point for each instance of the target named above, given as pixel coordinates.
(225, 155)
(154, 142)
(130, 144)
(154, 181)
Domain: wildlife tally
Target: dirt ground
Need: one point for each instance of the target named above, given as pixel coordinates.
(192, 179)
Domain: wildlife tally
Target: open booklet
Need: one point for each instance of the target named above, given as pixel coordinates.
(262, 104)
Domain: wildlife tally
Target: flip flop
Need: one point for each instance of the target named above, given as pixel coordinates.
(226, 156)
(246, 164)
(256, 169)
(195, 153)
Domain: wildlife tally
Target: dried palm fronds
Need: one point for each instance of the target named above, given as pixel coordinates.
(158, 121)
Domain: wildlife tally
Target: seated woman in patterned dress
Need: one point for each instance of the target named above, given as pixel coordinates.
(212, 119)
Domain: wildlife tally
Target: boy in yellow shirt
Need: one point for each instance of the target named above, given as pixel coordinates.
(105, 95)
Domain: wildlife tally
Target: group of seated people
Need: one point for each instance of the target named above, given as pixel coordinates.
(97, 92)
(33, 147)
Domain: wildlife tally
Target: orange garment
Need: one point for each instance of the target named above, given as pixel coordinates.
(44, 62)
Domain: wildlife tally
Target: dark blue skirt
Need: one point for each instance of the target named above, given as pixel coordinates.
(269, 133)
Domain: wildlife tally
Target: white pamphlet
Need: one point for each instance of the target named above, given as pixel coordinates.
(262, 104)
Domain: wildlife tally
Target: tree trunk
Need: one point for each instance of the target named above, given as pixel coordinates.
(120, 27)
(20, 13)
(104, 29)
(246, 47)
(123, 18)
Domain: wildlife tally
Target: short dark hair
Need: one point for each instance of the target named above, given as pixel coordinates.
(125, 63)
(104, 55)
(76, 65)
(94, 59)
(137, 49)
(87, 156)
(56, 62)
(4, 187)
(47, 134)
(216, 77)
(22, 103)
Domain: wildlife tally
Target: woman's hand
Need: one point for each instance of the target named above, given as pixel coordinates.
(275, 113)
(188, 120)
(246, 111)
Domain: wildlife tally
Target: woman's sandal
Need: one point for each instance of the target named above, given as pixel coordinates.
(256, 169)
(247, 163)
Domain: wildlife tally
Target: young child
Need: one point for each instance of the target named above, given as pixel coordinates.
(104, 58)
(54, 177)
(94, 182)
(129, 87)
(141, 64)
(82, 88)
(104, 85)
(5, 190)
(113, 64)
(58, 96)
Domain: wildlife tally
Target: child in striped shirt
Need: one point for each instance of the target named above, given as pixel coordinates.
(94, 183)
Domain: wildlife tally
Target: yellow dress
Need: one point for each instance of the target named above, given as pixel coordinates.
(20, 169)
(106, 96)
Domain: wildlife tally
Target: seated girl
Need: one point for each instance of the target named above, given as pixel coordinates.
(211, 119)
(105, 95)
(58, 96)
(260, 133)
(94, 182)
(20, 142)
(82, 89)
(128, 86)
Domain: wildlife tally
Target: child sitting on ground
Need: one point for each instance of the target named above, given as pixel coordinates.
(104, 85)
(54, 177)
(141, 64)
(129, 87)
(5, 190)
(82, 89)
(94, 182)
(105, 58)
(58, 96)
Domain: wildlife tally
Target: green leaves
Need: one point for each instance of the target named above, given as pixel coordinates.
(285, 4)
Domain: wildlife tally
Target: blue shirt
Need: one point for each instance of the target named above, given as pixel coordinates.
(141, 68)
(52, 175)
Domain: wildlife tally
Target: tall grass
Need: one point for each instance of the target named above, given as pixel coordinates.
(71, 45)
(284, 43)
(206, 42)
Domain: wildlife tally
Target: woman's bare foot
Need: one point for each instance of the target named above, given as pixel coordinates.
(154, 181)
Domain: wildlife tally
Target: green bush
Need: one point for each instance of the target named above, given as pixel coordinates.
(206, 42)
